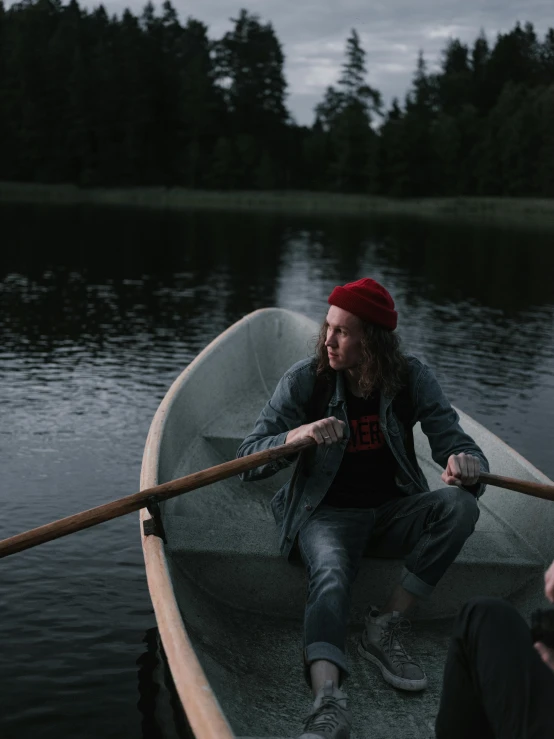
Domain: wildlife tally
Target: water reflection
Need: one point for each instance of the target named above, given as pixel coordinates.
(162, 715)
(97, 325)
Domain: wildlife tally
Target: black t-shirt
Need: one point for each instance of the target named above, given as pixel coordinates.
(365, 478)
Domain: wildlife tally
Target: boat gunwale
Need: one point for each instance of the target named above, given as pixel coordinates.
(201, 706)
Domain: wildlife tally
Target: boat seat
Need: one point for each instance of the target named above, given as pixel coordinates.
(234, 556)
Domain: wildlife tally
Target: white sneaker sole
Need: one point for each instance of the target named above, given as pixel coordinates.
(398, 682)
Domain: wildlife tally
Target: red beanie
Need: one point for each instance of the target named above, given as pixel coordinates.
(368, 300)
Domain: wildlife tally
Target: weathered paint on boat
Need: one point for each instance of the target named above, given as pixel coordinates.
(229, 608)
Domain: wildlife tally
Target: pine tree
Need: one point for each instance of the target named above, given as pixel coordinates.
(543, 113)
(481, 88)
(546, 58)
(421, 111)
(221, 169)
(346, 114)
(454, 88)
(249, 67)
(392, 165)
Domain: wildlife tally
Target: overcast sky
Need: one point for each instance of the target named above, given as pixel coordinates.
(313, 35)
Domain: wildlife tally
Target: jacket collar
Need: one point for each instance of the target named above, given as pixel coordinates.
(339, 396)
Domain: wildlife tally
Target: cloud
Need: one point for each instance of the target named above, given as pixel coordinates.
(445, 32)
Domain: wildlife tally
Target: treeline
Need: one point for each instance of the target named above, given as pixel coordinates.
(105, 101)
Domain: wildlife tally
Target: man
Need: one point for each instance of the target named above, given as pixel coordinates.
(496, 685)
(363, 487)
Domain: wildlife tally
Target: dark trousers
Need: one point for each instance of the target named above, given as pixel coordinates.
(428, 529)
(495, 684)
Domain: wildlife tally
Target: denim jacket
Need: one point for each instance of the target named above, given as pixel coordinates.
(287, 410)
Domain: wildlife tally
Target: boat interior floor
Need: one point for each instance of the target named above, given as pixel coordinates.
(254, 664)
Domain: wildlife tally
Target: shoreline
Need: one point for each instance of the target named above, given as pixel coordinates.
(520, 211)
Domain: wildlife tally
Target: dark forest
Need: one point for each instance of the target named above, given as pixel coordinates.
(95, 100)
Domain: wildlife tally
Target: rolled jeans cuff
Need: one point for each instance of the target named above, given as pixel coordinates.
(328, 652)
(414, 585)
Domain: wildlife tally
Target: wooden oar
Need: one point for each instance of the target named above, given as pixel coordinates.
(131, 503)
(134, 502)
(536, 489)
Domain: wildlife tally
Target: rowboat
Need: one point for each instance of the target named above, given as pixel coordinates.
(229, 608)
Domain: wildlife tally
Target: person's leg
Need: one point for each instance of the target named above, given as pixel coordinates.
(400, 600)
(495, 684)
(321, 671)
(331, 544)
(461, 713)
(429, 530)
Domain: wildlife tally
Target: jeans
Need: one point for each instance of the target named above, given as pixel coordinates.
(495, 684)
(427, 529)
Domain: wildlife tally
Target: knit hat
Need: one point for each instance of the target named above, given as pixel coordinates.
(368, 300)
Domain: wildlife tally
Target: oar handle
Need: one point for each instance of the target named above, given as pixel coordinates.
(536, 489)
(134, 502)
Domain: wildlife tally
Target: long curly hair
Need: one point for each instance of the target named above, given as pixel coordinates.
(383, 366)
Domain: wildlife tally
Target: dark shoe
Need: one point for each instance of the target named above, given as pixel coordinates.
(381, 645)
(331, 718)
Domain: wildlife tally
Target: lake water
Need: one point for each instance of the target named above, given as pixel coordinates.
(102, 309)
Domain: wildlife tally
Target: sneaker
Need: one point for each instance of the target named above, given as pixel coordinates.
(331, 718)
(380, 644)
